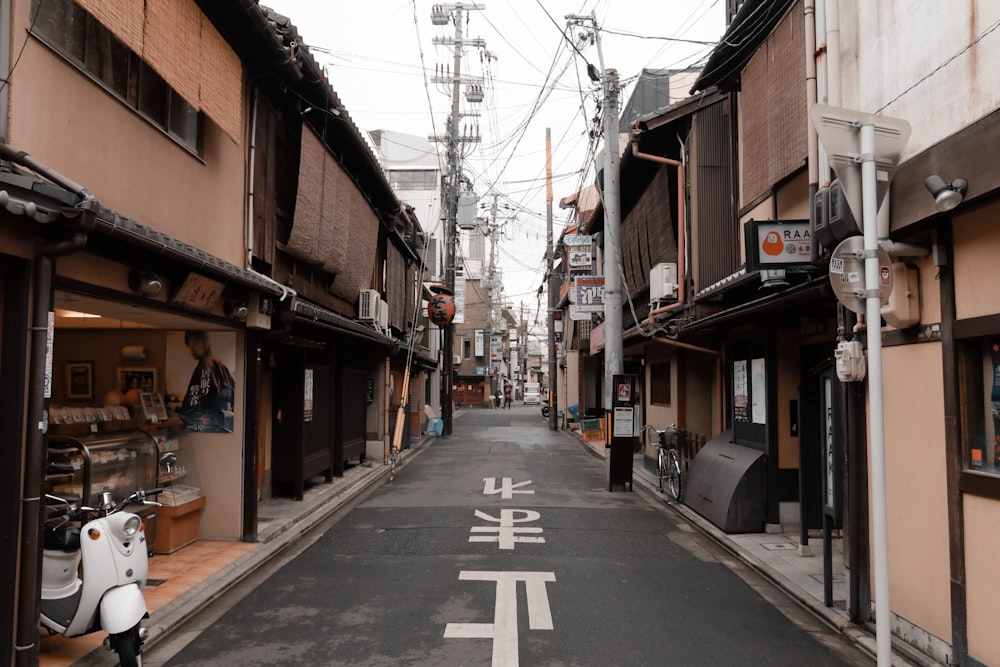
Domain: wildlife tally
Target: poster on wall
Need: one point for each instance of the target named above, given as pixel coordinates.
(740, 413)
(307, 396)
(200, 384)
(758, 392)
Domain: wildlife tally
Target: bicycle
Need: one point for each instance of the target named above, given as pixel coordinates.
(668, 464)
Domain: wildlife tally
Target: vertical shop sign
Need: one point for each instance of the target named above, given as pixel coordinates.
(50, 333)
(758, 392)
(307, 394)
(740, 391)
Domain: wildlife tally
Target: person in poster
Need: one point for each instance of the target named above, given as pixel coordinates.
(208, 401)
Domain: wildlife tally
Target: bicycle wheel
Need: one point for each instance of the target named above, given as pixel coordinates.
(661, 468)
(674, 486)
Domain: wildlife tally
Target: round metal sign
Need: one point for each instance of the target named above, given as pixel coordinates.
(847, 273)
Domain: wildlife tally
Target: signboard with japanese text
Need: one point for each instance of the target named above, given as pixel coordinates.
(589, 294)
(479, 343)
(577, 239)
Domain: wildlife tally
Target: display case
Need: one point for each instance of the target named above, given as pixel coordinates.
(121, 462)
(87, 465)
(180, 516)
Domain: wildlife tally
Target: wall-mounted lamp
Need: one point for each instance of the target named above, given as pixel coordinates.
(237, 310)
(145, 283)
(947, 194)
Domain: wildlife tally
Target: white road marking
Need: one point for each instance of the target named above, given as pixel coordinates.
(507, 489)
(503, 630)
(507, 534)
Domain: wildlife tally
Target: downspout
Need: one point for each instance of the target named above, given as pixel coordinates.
(36, 444)
(681, 222)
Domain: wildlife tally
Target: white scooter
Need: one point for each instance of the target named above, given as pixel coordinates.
(111, 544)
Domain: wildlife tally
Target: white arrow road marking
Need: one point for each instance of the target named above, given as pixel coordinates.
(506, 534)
(503, 630)
(507, 489)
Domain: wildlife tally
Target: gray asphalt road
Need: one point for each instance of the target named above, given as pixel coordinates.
(550, 569)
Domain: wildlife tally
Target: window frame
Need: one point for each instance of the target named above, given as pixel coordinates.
(107, 44)
(656, 392)
(973, 338)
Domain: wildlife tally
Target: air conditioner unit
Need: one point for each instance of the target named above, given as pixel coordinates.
(457, 358)
(368, 301)
(663, 282)
(382, 316)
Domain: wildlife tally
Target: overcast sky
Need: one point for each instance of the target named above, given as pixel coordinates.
(380, 60)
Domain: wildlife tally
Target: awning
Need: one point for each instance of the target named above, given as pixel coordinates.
(327, 319)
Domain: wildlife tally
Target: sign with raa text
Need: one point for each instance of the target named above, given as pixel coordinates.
(776, 244)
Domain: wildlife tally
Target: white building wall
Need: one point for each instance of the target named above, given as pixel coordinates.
(919, 60)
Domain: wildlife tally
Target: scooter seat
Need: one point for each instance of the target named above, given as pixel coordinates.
(62, 538)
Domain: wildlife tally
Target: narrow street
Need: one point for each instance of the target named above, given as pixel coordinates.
(500, 545)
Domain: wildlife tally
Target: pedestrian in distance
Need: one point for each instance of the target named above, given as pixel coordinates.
(506, 397)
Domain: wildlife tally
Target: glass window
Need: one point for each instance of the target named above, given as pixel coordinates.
(106, 58)
(466, 349)
(980, 370)
(659, 383)
(88, 45)
(413, 179)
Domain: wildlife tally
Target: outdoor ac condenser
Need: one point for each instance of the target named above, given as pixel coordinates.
(368, 305)
(663, 282)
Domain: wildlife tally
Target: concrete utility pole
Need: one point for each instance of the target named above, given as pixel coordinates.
(613, 296)
(613, 346)
(490, 231)
(441, 14)
(553, 287)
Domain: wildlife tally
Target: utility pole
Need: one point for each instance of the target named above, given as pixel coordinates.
(553, 285)
(442, 14)
(614, 346)
(490, 231)
(613, 296)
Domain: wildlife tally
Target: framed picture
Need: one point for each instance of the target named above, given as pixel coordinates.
(79, 380)
(152, 406)
(137, 379)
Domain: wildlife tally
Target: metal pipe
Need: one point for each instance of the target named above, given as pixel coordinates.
(876, 415)
(36, 448)
(8, 152)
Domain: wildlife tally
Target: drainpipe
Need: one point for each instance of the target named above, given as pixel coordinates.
(36, 446)
(681, 223)
(8, 152)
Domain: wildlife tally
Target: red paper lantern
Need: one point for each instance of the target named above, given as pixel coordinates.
(441, 309)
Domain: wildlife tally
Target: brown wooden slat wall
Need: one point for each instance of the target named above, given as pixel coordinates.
(773, 125)
(716, 230)
(648, 235)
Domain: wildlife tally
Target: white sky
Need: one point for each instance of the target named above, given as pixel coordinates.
(380, 59)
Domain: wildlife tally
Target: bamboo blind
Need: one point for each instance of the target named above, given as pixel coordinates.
(182, 46)
(171, 45)
(124, 18)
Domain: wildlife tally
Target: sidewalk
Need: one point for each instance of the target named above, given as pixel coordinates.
(776, 557)
(183, 583)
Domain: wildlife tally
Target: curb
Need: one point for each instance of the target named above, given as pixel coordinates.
(860, 636)
(274, 540)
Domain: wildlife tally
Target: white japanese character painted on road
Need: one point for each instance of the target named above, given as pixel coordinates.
(503, 629)
(506, 534)
(507, 488)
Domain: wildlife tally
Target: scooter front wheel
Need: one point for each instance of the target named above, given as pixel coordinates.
(127, 644)
(545, 411)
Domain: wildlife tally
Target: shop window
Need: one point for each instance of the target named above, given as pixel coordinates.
(979, 368)
(659, 383)
(92, 48)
